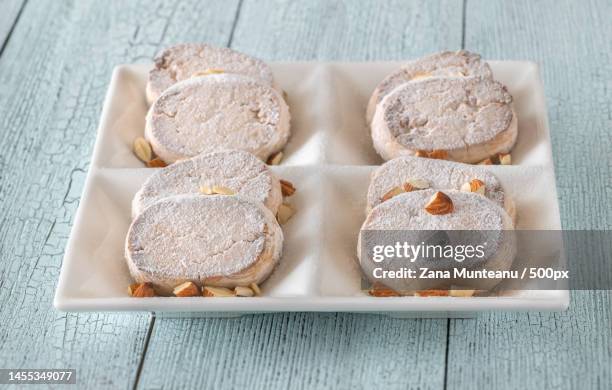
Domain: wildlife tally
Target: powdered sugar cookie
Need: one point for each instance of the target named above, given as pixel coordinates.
(241, 172)
(470, 218)
(183, 61)
(212, 240)
(211, 113)
(469, 118)
(460, 63)
(415, 174)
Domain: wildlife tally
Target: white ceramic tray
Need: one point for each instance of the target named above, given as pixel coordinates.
(329, 159)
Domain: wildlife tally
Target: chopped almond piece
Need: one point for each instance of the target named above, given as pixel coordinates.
(141, 290)
(157, 163)
(287, 187)
(187, 289)
(439, 204)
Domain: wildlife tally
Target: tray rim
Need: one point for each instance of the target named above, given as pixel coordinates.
(239, 306)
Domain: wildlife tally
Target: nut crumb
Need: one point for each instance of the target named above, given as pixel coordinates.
(209, 291)
(439, 204)
(142, 150)
(275, 159)
(287, 187)
(187, 289)
(141, 290)
(242, 291)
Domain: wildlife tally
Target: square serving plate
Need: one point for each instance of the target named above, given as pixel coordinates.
(329, 159)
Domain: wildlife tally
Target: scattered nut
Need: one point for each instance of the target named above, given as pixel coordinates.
(157, 163)
(486, 161)
(206, 190)
(466, 187)
(461, 293)
(419, 184)
(275, 159)
(187, 289)
(477, 186)
(285, 212)
(207, 72)
(391, 193)
(287, 187)
(420, 75)
(505, 159)
(141, 290)
(435, 154)
(255, 288)
(380, 290)
(210, 291)
(439, 204)
(222, 190)
(438, 154)
(431, 293)
(142, 149)
(241, 291)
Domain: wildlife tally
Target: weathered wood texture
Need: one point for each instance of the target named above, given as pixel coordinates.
(54, 73)
(571, 42)
(315, 350)
(301, 350)
(9, 14)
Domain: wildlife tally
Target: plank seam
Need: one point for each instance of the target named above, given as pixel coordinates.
(10, 33)
(236, 17)
(144, 351)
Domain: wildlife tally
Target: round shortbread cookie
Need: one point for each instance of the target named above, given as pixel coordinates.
(215, 240)
(211, 113)
(460, 63)
(470, 118)
(240, 171)
(474, 218)
(183, 61)
(437, 175)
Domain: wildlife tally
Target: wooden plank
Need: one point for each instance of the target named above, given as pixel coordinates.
(8, 17)
(299, 350)
(347, 30)
(309, 350)
(54, 73)
(571, 42)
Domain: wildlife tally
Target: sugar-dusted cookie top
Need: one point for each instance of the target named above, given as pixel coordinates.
(183, 61)
(211, 113)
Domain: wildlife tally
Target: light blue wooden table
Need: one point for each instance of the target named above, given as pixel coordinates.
(56, 59)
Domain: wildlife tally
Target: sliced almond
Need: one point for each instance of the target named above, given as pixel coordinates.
(486, 161)
(432, 293)
(242, 291)
(187, 289)
(391, 193)
(210, 291)
(439, 204)
(421, 153)
(206, 190)
(438, 154)
(466, 187)
(255, 288)
(221, 190)
(285, 212)
(461, 293)
(142, 149)
(141, 290)
(418, 184)
(275, 159)
(420, 75)
(207, 72)
(505, 159)
(380, 290)
(157, 163)
(287, 187)
(477, 186)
